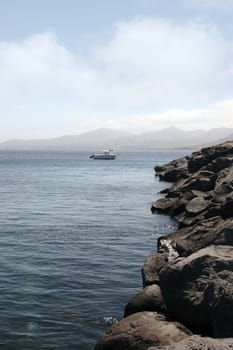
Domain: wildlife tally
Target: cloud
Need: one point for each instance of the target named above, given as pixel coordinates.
(164, 62)
(223, 5)
(147, 62)
(40, 59)
(146, 66)
(213, 116)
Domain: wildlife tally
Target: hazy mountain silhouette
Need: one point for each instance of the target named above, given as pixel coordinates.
(101, 138)
(122, 140)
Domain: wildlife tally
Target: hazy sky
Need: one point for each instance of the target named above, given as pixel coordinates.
(68, 66)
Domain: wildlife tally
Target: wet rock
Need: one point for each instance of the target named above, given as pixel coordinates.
(196, 162)
(149, 299)
(201, 183)
(173, 194)
(207, 155)
(181, 203)
(221, 163)
(203, 195)
(163, 205)
(197, 342)
(185, 220)
(164, 191)
(193, 290)
(151, 268)
(173, 171)
(140, 331)
(170, 175)
(189, 221)
(213, 231)
(168, 248)
(196, 206)
(200, 293)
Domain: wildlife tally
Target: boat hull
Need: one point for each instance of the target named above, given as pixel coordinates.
(104, 156)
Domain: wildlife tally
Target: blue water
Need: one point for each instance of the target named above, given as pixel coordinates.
(74, 234)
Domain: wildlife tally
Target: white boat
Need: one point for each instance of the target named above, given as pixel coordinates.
(107, 154)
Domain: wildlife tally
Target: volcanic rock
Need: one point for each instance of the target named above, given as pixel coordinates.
(149, 299)
(195, 290)
(151, 268)
(196, 206)
(173, 171)
(163, 205)
(221, 163)
(190, 279)
(196, 342)
(212, 231)
(140, 331)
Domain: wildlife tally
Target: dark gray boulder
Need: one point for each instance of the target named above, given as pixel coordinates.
(200, 182)
(206, 155)
(196, 206)
(163, 205)
(221, 163)
(192, 288)
(149, 299)
(196, 162)
(208, 176)
(151, 267)
(140, 331)
(173, 171)
(212, 231)
(182, 202)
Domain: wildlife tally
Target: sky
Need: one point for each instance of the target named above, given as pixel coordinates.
(70, 66)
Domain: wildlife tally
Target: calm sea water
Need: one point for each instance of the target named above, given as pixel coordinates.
(74, 234)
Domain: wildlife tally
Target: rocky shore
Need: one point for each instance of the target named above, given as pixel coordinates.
(187, 296)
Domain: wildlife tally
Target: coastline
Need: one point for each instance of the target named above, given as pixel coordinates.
(187, 285)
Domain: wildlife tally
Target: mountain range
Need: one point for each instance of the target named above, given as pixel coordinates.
(122, 140)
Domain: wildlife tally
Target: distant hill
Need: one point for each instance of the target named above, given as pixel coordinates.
(177, 138)
(122, 140)
(97, 139)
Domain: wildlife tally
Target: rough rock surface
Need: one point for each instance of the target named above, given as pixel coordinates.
(209, 154)
(213, 231)
(192, 271)
(151, 268)
(140, 331)
(173, 171)
(205, 189)
(198, 290)
(196, 342)
(220, 292)
(163, 205)
(149, 299)
(196, 206)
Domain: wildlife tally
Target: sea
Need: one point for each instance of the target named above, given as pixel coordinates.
(74, 234)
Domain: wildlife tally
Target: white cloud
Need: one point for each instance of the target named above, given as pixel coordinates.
(214, 116)
(147, 61)
(40, 59)
(147, 65)
(224, 5)
(164, 62)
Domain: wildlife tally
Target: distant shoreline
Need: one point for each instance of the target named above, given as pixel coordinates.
(97, 140)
